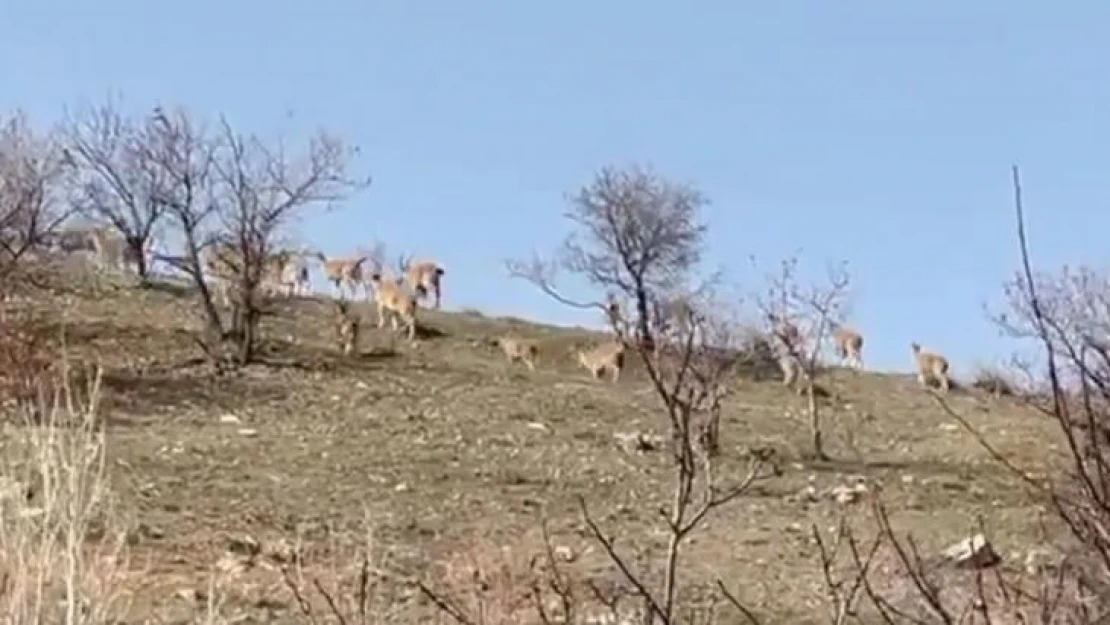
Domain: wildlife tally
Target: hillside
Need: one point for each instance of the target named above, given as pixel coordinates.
(446, 449)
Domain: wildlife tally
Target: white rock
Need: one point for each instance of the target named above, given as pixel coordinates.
(974, 552)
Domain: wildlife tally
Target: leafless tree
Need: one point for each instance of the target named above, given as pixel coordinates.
(120, 180)
(638, 238)
(803, 318)
(35, 176)
(1065, 316)
(259, 189)
(182, 152)
(636, 233)
(221, 186)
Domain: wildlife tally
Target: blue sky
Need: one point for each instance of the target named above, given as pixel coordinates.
(877, 132)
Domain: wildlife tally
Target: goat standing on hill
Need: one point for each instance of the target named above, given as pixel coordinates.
(609, 356)
(849, 345)
(393, 298)
(423, 277)
(930, 366)
(112, 250)
(287, 273)
(347, 328)
(343, 272)
(788, 345)
(519, 350)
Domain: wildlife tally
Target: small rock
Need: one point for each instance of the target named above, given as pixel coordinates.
(810, 493)
(542, 427)
(564, 553)
(845, 495)
(281, 551)
(230, 418)
(243, 545)
(248, 432)
(975, 552)
(907, 479)
(1038, 559)
(402, 487)
(949, 427)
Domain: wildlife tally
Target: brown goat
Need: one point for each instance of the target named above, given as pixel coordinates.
(608, 356)
(391, 297)
(930, 366)
(520, 350)
(423, 277)
(347, 328)
(849, 345)
(343, 272)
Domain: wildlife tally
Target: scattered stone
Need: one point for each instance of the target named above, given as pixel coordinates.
(638, 442)
(542, 427)
(1040, 559)
(248, 432)
(975, 552)
(402, 487)
(230, 418)
(845, 495)
(810, 493)
(281, 552)
(243, 545)
(564, 553)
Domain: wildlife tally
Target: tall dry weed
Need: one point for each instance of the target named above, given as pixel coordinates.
(62, 548)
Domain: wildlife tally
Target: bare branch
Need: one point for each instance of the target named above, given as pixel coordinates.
(120, 181)
(35, 176)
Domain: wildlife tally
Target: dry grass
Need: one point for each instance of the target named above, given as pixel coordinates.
(448, 448)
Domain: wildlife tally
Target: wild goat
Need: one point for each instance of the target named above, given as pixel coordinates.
(423, 277)
(392, 297)
(520, 350)
(286, 273)
(787, 345)
(849, 345)
(608, 356)
(346, 328)
(220, 260)
(343, 272)
(930, 366)
(112, 250)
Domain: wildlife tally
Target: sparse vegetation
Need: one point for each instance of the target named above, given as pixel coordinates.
(142, 485)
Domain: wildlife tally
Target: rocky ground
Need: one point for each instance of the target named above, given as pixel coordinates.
(445, 455)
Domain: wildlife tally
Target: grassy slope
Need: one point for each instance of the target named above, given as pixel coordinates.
(445, 440)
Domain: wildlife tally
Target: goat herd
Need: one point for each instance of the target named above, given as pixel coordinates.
(286, 272)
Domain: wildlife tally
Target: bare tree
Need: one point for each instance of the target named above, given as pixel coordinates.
(182, 152)
(120, 179)
(638, 239)
(35, 172)
(259, 189)
(1065, 316)
(636, 233)
(803, 318)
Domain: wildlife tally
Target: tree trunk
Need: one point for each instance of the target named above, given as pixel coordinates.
(815, 421)
(138, 252)
(643, 320)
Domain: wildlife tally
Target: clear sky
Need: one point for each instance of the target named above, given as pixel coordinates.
(874, 131)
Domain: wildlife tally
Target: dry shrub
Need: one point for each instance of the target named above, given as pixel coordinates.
(61, 546)
(488, 581)
(24, 357)
(535, 578)
(992, 381)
